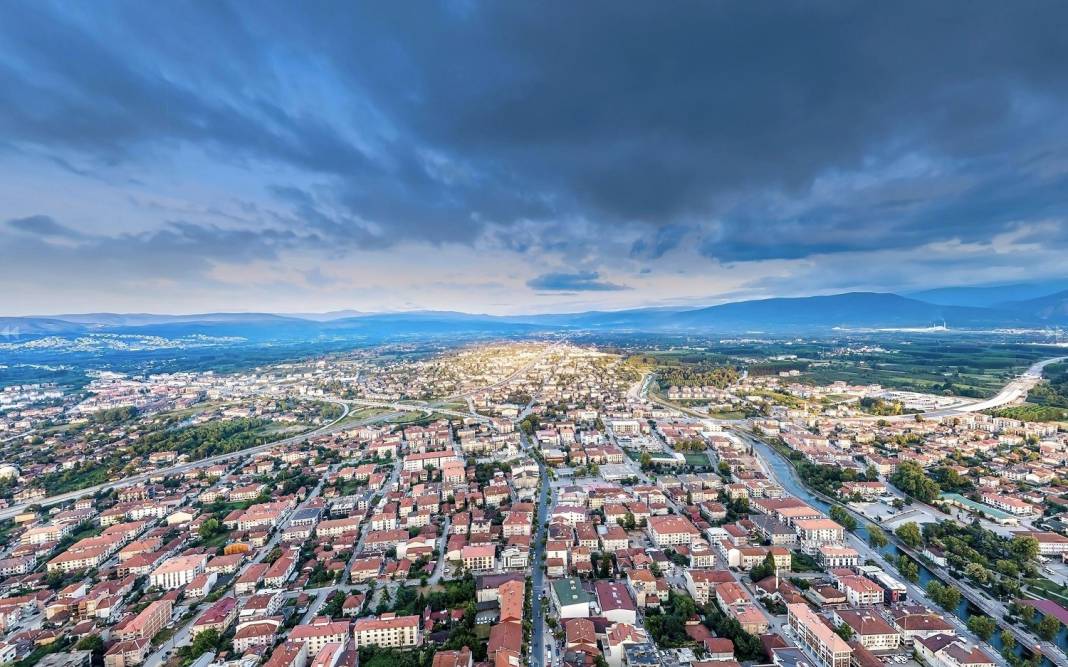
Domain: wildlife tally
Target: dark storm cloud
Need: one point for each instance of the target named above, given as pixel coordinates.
(178, 250)
(665, 239)
(582, 281)
(42, 225)
(446, 122)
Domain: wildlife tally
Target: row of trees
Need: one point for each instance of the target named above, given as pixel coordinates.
(700, 375)
(842, 516)
(1046, 628)
(945, 597)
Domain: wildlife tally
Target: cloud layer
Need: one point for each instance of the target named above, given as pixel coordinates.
(357, 155)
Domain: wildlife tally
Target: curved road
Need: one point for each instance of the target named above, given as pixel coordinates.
(332, 427)
(1016, 390)
(183, 467)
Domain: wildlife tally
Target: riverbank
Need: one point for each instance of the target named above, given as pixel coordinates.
(783, 470)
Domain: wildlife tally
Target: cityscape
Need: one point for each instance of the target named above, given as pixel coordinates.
(514, 334)
(538, 502)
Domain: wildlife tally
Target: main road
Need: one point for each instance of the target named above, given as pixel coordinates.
(537, 635)
(505, 380)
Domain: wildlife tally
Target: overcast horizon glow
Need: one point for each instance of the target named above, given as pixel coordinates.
(523, 157)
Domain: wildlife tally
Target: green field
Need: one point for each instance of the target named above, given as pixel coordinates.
(697, 459)
(960, 368)
(1032, 413)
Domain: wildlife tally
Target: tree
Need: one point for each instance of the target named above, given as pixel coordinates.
(1027, 613)
(764, 569)
(1048, 627)
(842, 516)
(911, 478)
(1025, 548)
(208, 640)
(908, 568)
(844, 631)
(977, 573)
(646, 460)
(946, 597)
(910, 534)
(1007, 568)
(628, 521)
(606, 567)
(1008, 642)
(982, 626)
(209, 528)
(876, 537)
(91, 643)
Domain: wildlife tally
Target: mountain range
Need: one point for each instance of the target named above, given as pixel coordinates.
(955, 307)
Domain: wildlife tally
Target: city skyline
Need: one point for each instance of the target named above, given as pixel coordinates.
(516, 159)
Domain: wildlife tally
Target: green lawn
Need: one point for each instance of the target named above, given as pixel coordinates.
(1048, 589)
(697, 459)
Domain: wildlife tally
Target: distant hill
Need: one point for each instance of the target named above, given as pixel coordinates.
(15, 327)
(987, 296)
(1052, 308)
(854, 310)
(850, 310)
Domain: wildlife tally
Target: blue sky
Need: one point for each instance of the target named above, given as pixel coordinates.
(523, 157)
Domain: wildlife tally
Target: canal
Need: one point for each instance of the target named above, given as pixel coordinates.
(787, 477)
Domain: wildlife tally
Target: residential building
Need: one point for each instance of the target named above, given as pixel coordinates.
(816, 638)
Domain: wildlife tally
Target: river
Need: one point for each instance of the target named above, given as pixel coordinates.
(787, 477)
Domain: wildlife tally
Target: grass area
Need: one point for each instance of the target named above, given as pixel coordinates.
(163, 636)
(418, 418)
(697, 459)
(407, 418)
(950, 367)
(282, 430)
(365, 413)
(781, 399)
(1048, 589)
(217, 540)
(729, 414)
(89, 530)
(1032, 413)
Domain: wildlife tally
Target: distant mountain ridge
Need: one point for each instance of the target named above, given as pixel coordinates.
(988, 296)
(1052, 307)
(851, 310)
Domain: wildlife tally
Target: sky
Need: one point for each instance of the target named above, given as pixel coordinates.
(523, 157)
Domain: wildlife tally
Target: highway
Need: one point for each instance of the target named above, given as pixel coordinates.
(1014, 392)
